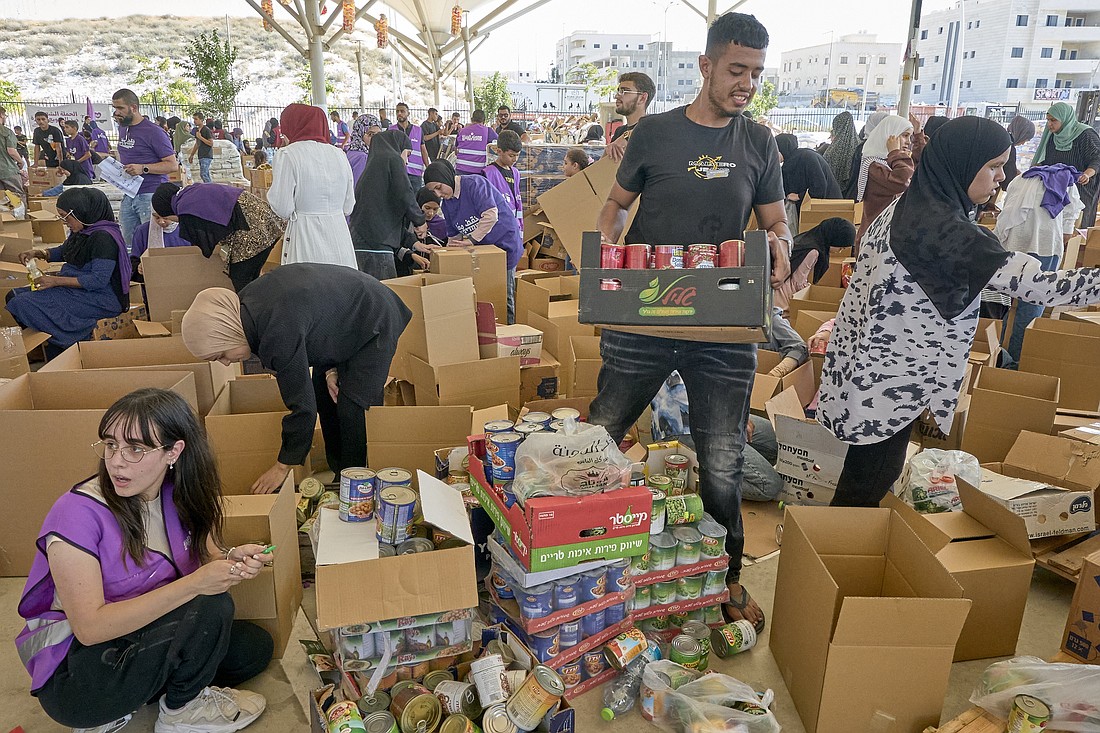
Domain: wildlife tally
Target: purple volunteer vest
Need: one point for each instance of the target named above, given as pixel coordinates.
(472, 149)
(510, 192)
(416, 158)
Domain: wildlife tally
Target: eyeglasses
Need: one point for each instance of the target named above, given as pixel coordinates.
(106, 450)
(620, 91)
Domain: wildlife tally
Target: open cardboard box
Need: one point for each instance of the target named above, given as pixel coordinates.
(480, 383)
(46, 225)
(15, 344)
(271, 600)
(1069, 350)
(485, 264)
(443, 329)
(175, 275)
(573, 206)
(406, 585)
(587, 362)
(765, 386)
(1081, 639)
(862, 604)
(810, 457)
(557, 330)
(539, 295)
(408, 437)
(816, 298)
(1002, 404)
(48, 421)
(131, 355)
(985, 548)
(540, 381)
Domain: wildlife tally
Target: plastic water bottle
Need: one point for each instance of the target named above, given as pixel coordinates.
(621, 693)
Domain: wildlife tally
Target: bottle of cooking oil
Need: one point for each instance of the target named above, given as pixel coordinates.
(33, 273)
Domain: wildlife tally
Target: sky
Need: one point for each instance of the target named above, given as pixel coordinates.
(521, 46)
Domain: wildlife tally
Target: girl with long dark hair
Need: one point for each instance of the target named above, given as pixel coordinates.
(127, 599)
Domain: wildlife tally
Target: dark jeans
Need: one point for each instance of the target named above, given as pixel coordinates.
(245, 271)
(870, 470)
(718, 378)
(179, 654)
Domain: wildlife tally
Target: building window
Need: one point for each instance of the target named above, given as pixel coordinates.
(1046, 53)
(1040, 83)
(1021, 20)
(798, 65)
(843, 59)
(863, 60)
(977, 24)
(933, 86)
(680, 66)
(650, 64)
(641, 46)
(595, 45)
(916, 89)
(859, 81)
(882, 59)
(941, 31)
(967, 85)
(1068, 84)
(1012, 84)
(1063, 55)
(1052, 20)
(969, 25)
(1017, 52)
(842, 80)
(826, 61)
(924, 35)
(679, 82)
(879, 81)
(614, 46)
(691, 64)
(1073, 54)
(936, 60)
(920, 64)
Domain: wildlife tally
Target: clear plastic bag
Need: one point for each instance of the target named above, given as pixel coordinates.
(1071, 690)
(580, 461)
(931, 482)
(678, 700)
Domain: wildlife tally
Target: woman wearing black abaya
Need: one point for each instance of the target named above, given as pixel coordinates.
(1021, 129)
(805, 172)
(909, 316)
(842, 148)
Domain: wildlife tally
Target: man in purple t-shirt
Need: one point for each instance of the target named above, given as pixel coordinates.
(144, 150)
(76, 147)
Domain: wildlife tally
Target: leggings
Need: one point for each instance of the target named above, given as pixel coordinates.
(870, 470)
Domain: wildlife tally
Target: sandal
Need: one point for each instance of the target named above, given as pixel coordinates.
(740, 605)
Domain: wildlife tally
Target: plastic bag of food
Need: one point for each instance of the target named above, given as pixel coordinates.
(681, 700)
(1072, 691)
(930, 486)
(581, 460)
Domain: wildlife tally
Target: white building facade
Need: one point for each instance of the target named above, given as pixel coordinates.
(855, 61)
(591, 47)
(1022, 52)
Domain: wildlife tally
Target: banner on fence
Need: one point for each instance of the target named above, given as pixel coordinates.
(72, 111)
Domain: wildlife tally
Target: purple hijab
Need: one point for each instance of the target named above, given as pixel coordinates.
(211, 201)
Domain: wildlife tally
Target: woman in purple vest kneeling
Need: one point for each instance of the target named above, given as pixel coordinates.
(127, 599)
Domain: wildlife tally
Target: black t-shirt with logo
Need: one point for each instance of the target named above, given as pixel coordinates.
(622, 130)
(513, 126)
(698, 184)
(427, 128)
(44, 138)
(205, 151)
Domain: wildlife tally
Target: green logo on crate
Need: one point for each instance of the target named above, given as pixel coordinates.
(673, 299)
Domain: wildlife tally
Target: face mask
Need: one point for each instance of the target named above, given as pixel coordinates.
(172, 226)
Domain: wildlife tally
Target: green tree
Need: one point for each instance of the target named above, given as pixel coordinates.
(602, 82)
(492, 92)
(9, 90)
(154, 82)
(304, 81)
(210, 61)
(765, 100)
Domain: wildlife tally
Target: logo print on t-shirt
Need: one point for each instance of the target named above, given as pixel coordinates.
(709, 167)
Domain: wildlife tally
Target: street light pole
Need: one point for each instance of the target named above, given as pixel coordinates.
(359, 66)
(909, 68)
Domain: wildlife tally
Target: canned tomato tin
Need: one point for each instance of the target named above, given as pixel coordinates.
(618, 576)
(700, 256)
(657, 513)
(594, 663)
(683, 509)
(357, 491)
(566, 593)
(373, 703)
(569, 633)
(739, 636)
(458, 698)
(381, 721)
(593, 585)
(714, 539)
(701, 633)
(413, 705)
(537, 602)
(660, 482)
(415, 545)
(610, 283)
(498, 426)
(715, 582)
(662, 550)
(593, 623)
(344, 716)
(394, 477)
(731, 253)
(310, 488)
(487, 674)
(622, 650)
(571, 674)
(1028, 715)
(685, 651)
(396, 510)
(541, 691)
(496, 720)
(546, 644)
(637, 257)
(458, 724)
(502, 449)
(642, 596)
(613, 615)
(664, 592)
(432, 679)
(612, 256)
(676, 468)
(689, 588)
(689, 545)
(564, 413)
(668, 256)
(540, 418)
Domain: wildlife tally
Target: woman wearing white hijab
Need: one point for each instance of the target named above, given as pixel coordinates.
(889, 158)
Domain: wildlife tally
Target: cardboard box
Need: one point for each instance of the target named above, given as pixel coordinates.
(985, 548)
(408, 437)
(547, 264)
(480, 383)
(862, 604)
(927, 431)
(164, 354)
(557, 531)
(808, 451)
(807, 322)
(557, 330)
(245, 428)
(587, 361)
(1082, 636)
(485, 264)
(443, 329)
(540, 381)
(573, 205)
(271, 600)
(15, 344)
(765, 386)
(46, 225)
(538, 295)
(1070, 351)
(175, 275)
(1087, 429)
(260, 178)
(1090, 257)
(48, 421)
(816, 298)
(1002, 404)
(20, 228)
(519, 340)
(408, 585)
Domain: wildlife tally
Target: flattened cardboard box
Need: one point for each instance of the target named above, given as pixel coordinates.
(48, 421)
(1002, 404)
(143, 355)
(1082, 636)
(862, 604)
(1070, 351)
(985, 548)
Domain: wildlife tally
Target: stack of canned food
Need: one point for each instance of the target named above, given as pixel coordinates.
(503, 438)
(730, 253)
(429, 643)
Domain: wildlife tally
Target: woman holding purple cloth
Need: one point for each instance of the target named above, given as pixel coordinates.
(212, 215)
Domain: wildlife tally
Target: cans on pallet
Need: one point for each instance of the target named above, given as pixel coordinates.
(714, 539)
(689, 543)
(715, 582)
(357, 492)
(502, 450)
(540, 692)
(618, 576)
(572, 674)
(690, 587)
(739, 636)
(613, 615)
(593, 623)
(569, 633)
(664, 592)
(566, 594)
(662, 551)
(683, 509)
(642, 595)
(458, 698)
(593, 585)
(594, 663)
(546, 644)
(657, 514)
(396, 510)
(537, 602)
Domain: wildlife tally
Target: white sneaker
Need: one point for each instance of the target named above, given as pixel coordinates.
(215, 710)
(108, 728)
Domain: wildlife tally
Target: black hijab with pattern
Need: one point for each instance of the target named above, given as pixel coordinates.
(931, 234)
(843, 148)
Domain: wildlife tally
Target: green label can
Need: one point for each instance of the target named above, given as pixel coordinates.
(685, 651)
(662, 483)
(676, 468)
(1028, 715)
(701, 633)
(689, 544)
(714, 539)
(657, 515)
(733, 638)
(662, 552)
(689, 588)
(664, 592)
(683, 509)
